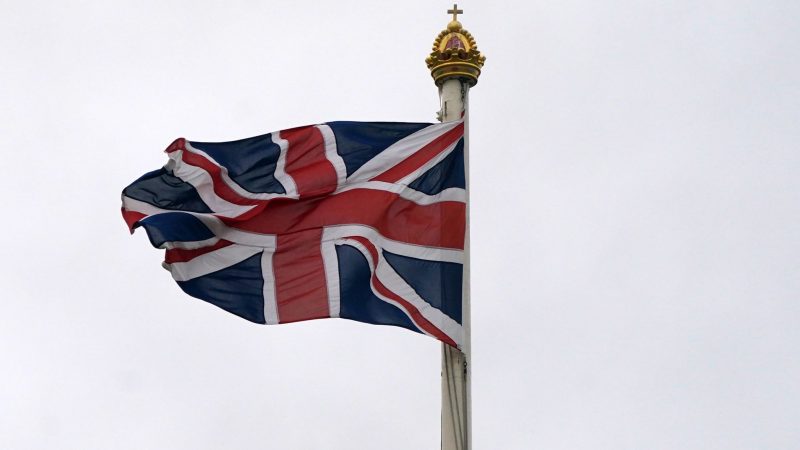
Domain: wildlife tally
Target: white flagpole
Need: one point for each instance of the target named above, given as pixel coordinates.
(455, 65)
(456, 399)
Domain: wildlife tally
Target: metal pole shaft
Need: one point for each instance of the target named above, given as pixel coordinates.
(456, 379)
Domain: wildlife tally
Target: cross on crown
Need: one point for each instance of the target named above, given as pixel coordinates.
(455, 11)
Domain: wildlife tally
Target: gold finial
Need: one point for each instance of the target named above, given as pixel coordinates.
(455, 53)
(454, 25)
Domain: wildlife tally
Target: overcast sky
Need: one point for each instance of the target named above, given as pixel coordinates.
(635, 225)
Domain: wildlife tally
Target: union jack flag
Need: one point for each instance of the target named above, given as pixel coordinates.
(357, 220)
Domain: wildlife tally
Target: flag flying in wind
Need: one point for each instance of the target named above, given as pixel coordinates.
(358, 220)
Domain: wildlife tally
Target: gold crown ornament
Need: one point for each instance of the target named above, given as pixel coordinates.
(455, 54)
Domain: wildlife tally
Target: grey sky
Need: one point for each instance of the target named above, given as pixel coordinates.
(636, 225)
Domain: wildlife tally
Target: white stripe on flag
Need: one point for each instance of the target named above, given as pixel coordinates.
(270, 300)
(408, 179)
(400, 151)
(395, 283)
(212, 262)
(333, 155)
(412, 195)
(331, 263)
(189, 245)
(332, 233)
(242, 192)
(204, 185)
(214, 224)
(398, 285)
(280, 168)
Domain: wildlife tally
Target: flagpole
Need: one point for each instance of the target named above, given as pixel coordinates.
(456, 364)
(455, 65)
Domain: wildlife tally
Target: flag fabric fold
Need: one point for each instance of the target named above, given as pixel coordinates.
(356, 220)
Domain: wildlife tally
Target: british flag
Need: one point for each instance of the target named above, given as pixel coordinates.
(357, 220)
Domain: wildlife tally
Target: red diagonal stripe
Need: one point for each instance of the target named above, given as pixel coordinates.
(182, 255)
(131, 217)
(409, 308)
(177, 144)
(220, 186)
(422, 156)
